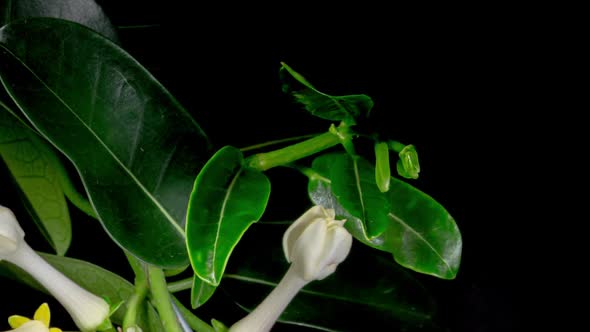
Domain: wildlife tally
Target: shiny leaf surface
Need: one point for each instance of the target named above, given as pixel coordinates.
(136, 149)
(420, 234)
(227, 198)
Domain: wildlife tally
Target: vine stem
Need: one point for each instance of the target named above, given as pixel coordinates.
(162, 300)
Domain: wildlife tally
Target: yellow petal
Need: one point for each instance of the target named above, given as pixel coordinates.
(42, 314)
(15, 321)
(55, 329)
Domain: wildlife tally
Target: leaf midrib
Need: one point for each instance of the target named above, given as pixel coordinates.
(417, 234)
(121, 164)
(222, 214)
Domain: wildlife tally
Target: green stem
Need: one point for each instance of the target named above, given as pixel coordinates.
(264, 161)
(278, 141)
(180, 285)
(137, 298)
(395, 145)
(161, 298)
(193, 321)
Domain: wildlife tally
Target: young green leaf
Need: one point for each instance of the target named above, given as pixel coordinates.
(358, 193)
(408, 164)
(420, 234)
(227, 198)
(33, 165)
(366, 286)
(334, 108)
(201, 292)
(382, 171)
(85, 12)
(136, 149)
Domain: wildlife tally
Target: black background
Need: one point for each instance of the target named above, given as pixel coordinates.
(458, 84)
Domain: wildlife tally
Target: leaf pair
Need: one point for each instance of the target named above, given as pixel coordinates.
(404, 221)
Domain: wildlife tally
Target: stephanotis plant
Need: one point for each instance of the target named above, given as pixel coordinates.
(187, 213)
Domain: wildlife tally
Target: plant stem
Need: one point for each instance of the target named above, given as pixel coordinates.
(278, 141)
(180, 285)
(264, 161)
(138, 297)
(161, 298)
(193, 321)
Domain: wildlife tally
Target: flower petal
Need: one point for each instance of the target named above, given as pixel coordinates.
(308, 249)
(42, 314)
(297, 227)
(16, 321)
(55, 329)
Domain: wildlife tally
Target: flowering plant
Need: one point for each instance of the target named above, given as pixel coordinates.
(83, 124)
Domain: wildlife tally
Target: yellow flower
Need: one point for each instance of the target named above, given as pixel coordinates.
(40, 321)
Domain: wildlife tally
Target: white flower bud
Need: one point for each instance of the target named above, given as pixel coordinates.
(86, 309)
(314, 245)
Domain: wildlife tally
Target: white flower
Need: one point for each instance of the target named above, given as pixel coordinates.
(314, 245)
(86, 309)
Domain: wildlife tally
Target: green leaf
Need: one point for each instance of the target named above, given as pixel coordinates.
(85, 12)
(36, 169)
(366, 287)
(420, 234)
(335, 108)
(408, 165)
(201, 292)
(136, 149)
(227, 198)
(382, 170)
(357, 191)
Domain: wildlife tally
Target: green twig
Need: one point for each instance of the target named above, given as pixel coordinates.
(161, 299)
(284, 156)
(278, 141)
(137, 298)
(180, 285)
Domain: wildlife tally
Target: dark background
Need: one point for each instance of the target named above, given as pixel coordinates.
(457, 85)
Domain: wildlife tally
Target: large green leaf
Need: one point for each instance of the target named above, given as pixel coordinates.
(227, 198)
(94, 279)
(136, 149)
(335, 108)
(367, 288)
(85, 12)
(36, 169)
(420, 234)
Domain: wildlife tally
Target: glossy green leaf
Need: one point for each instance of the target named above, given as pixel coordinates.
(218, 326)
(382, 170)
(408, 164)
(136, 149)
(357, 191)
(335, 108)
(85, 12)
(366, 287)
(421, 234)
(201, 292)
(227, 198)
(36, 170)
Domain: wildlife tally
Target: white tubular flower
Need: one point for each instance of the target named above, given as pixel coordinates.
(86, 309)
(314, 245)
